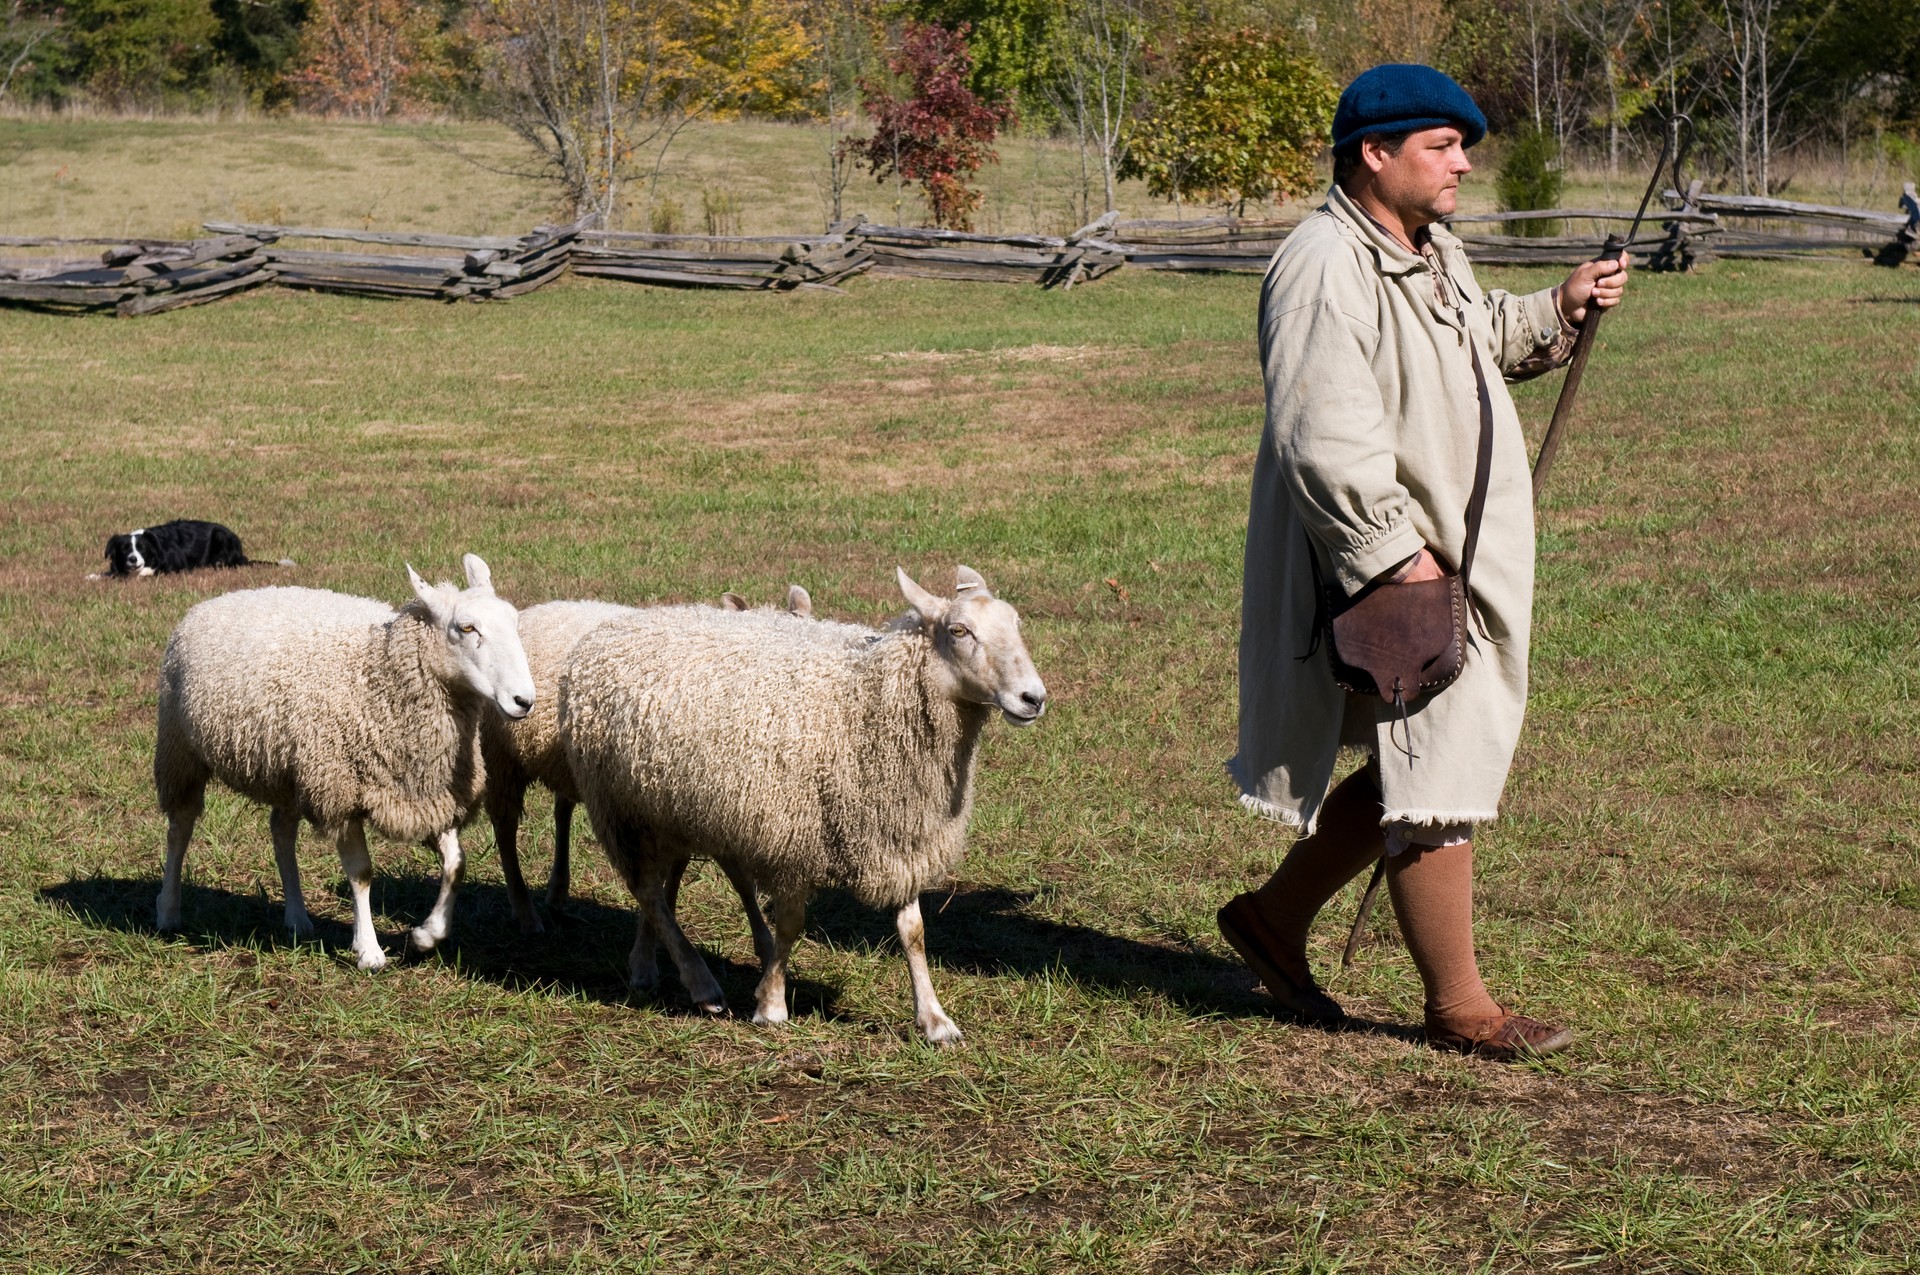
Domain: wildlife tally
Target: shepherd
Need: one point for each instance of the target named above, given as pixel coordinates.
(1388, 453)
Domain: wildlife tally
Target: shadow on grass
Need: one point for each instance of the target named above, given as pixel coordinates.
(583, 952)
(981, 930)
(990, 931)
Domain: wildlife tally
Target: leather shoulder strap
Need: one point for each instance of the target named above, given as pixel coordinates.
(1482, 467)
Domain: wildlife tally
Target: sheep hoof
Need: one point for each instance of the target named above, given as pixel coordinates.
(373, 961)
(717, 1007)
(770, 1016)
(423, 939)
(301, 927)
(530, 924)
(646, 982)
(167, 923)
(942, 1031)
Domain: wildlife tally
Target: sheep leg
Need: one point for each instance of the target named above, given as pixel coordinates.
(676, 874)
(285, 823)
(789, 917)
(453, 866)
(763, 941)
(506, 835)
(558, 881)
(933, 1021)
(694, 974)
(179, 832)
(643, 963)
(357, 863)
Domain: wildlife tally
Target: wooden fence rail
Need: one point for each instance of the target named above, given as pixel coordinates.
(146, 276)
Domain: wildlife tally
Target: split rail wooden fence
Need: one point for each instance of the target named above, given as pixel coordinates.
(146, 276)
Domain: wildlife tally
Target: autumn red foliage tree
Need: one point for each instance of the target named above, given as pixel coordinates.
(935, 130)
(363, 57)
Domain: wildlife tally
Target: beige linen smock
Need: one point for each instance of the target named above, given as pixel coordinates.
(1373, 420)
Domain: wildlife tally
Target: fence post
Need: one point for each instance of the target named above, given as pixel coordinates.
(1907, 240)
(1678, 253)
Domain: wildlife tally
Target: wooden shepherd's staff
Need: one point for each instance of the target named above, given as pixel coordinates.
(1678, 127)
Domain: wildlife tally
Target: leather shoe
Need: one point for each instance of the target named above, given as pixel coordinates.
(1506, 1037)
(1245, 930)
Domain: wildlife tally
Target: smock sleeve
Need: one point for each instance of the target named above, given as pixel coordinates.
(1329, 433)
(1529, 333)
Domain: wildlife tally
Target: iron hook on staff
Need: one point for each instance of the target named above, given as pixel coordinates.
(1614, 248)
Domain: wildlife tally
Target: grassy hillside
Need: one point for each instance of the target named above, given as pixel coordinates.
(103, 176)
(163, 177)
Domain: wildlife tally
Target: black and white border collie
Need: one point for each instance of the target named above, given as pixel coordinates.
(185, 544)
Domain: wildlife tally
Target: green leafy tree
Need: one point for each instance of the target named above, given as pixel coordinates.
(30, 47)
(259, 39)
(141, 51)
(1234, 115)
(1529, 178)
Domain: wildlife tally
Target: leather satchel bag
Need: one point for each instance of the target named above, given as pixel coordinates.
(1403, 641)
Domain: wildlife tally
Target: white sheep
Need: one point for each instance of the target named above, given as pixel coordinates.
(799, 602)
(518, 753)
(804, 755)
(341, 711)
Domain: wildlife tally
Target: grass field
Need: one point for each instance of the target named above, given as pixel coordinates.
(1707, 863)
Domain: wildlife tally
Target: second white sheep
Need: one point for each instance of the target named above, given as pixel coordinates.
(801, 755)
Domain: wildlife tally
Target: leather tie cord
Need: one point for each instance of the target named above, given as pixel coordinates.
(1614, 248)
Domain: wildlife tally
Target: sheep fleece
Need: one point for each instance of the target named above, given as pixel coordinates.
(321, 701)
(530, 748)
(815, 753)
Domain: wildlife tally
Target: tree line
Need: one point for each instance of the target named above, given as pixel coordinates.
(1213, 101)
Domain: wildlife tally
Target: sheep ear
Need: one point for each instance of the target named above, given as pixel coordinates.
(799, 602)
(929, 607)
(424, 591)
(731, 601)
(479, 575)
(967, 580)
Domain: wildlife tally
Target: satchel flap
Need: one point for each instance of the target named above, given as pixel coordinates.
(1401, 634)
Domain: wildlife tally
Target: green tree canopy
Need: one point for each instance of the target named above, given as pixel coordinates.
(1234, 115)
(141, 49)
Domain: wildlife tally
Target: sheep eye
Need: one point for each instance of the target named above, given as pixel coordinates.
(958, 630)
(466, 628)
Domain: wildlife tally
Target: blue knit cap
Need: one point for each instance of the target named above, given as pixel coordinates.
(1401, 97)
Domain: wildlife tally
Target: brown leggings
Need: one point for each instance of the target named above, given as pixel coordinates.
(1431, 886)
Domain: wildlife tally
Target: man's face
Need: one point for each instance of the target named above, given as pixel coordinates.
(1422, 181)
